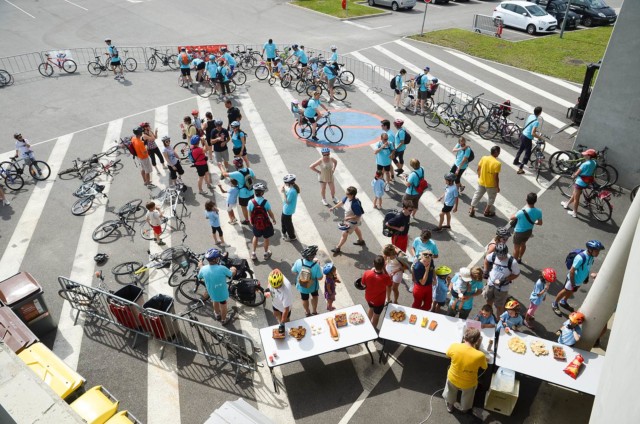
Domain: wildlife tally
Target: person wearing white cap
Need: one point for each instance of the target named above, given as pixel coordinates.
(471, 282)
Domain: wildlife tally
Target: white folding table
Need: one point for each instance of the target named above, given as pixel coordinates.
(449, 330)
(549, 369)
(291, 350)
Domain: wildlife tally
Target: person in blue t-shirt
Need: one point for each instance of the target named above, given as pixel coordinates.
(308, 273)
(185, 59)
(399, 145)
(413, 182)
(312, 114)
(228, 58)
(510, 320)
(486, 318)
(383, 150)
(246, 190)
(330, 75)
(267, 231)
(584, 177)
(571, 330)
(423, 91)
(270, 49)
(578, 275)
(450, 200)
(526, 218)
(424, 242)
(399, 79)
(290, 191)
(114, 60)
(462, 152)
(215, 280)
(334, 54)
(199, 65)
(531, 129)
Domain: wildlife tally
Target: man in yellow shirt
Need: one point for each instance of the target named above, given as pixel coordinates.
(462, 376)
(488, 182)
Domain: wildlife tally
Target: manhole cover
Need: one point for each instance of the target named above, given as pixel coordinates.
(575, 61)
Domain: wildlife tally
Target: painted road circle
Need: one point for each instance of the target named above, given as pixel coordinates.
(359, 129)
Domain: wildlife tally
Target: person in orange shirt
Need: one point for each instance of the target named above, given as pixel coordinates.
(488, 182)
(143, 156)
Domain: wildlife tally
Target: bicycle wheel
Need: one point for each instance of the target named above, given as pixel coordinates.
(45, 69)
(111, 150)
(601, 176)
(511, 134)
(181, 273)
(431, 119)
(5, 78)
(613, 174)
(487, 129)
(151, 64)
(257, 300)
(81, 206)
(239, 77)
(131, 208)
(76, 297)
(182, 149)
(286, 81)
(69, 66)
(561, 162)
(457, 126)
(39, 170)
(204, 89)
(172, 61)
(12, 179)
(232, 86)
(94, 68)
(565, 184)
(339, 93)
(262, 72)
(104, 230)
(147, 232)
(193, 289)
(332, 133)
(312, 88)
(300, 86)
(272, 80)
(600, 209)
(130, 64)
(346, 77)
(246, 62)
(90, 175)
(304, 131)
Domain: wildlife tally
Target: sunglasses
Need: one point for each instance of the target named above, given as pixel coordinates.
(427, 255)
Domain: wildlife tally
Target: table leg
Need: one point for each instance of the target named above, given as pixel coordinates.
(366, 344)
(382, 351)
(273, 378)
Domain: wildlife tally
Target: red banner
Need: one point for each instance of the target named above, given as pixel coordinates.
(196, 51)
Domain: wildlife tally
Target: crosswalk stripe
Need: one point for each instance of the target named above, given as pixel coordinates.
(17, 246)
(512, 79)
(500, 93)
(69, 337)
(562, 83)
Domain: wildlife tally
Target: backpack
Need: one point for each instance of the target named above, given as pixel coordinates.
(184, 133)
(422, 184)
(356, 207)
(190, 156)
(115, 53)
(259, 216)
(127, 142)
(572, 255)
(248, 181)
(184, 58)
(493, 260)
(305, 103)
(407, 137)
(305, 277)
(386, 231)
(392, 83)
(418, 80)
(471, 157)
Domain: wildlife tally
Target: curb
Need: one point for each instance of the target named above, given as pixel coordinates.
(336, 18)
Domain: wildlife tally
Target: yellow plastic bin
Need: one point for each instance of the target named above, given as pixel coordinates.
(96, 406)
(52, 370)
(123, 417)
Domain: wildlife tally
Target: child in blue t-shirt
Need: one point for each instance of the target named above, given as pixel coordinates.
(441, 288)
(378, 189)
(539, 293)
(232, 200)
(486, 318)
(571, 330)
(450, 200)
(211, 213)
(510, 319)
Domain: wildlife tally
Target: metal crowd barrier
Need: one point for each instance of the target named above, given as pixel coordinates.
(213, 343)
(485, 24)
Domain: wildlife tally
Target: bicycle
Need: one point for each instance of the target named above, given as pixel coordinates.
(126, 212)
(471, 111)
(80, 298)
(285, 79)
(536, 159)
(97, 67)
(38, 169)
(332, 133)
(568, 161)
(345, 77)
(596, 199)
(135, 269)
(165, 59)
(172, 196)
(316, 84)
(248, 58)
(208, 87)
(61, 62)
(187, 266)
(86, 194)
(5, 78)
(12, 179)
(246, 291)
(443, 114)
(495, 123)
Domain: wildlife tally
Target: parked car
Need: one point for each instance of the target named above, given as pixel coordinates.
(524, 15)
(594, 12)
(394, 4)
(557, 9)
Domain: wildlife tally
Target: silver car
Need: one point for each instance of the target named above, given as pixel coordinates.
(394, 4)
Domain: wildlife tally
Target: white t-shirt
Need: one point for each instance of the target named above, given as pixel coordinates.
(500, 271)
(154, 218)
(281, 297)
(393, 266)
(21, 147)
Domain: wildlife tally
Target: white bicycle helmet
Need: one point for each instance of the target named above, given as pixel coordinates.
(289, 178)
(333, 47)
(260, 187)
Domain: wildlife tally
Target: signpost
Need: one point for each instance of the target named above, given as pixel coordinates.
(424, 17)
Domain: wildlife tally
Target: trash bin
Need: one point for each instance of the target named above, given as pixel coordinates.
(160, 325)
(96, 406)
(13, 332)
(24, 295)
(125, 313)
(52, 370)
(123, 417)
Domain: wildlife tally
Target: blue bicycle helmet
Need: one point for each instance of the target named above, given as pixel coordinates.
(195, 139)
(212, 254)
(434, 80)
(327, 268)
(325, 150)
(595, 245)
(212, 57)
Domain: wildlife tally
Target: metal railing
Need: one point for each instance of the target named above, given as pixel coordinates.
(213, 343)
(486, 24)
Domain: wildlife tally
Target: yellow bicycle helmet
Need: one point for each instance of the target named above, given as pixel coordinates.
(276, 278)
(442, 271)
(512, 304)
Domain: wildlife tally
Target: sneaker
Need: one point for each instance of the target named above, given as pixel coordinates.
(5, 202)
(411, 288)
(245, 222)
(520, 171)
(335, 200)
(324, 202)
(285, 238)
(254, 256)
(267, 254)
(359, 242)
(528, 324)
(293, 239)
(217, 317)
(226, 321)
(556, 310)
(336, 251)
(314, 138)
(565, 205)
(566, 306)
(516, 162)
(572, 213)
(386, 187)
(161, 243)
(449, 407)
(462, 188)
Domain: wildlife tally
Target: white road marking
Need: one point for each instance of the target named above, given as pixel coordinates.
(20, 9)
(76, 5)
(11, 260)
(517, 81)
(500, 93)
(354, 24)
(568, 85)
(69, 337)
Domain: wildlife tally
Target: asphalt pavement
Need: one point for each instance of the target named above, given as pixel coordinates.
(71, 116)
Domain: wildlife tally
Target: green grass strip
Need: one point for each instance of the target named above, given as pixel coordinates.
(334, 8)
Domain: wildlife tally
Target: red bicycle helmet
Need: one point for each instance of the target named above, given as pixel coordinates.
(398, 122)
(549, 274)
(590, 152)
(195, 112)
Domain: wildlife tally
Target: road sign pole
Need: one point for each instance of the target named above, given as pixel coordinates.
(564, 21)
(424, 17)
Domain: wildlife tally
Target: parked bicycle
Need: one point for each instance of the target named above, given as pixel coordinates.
(62, 62)
(127, 212)
(594, 198)
(248, 58)
(246, 290)
(135, 270)
(86, 194)
(345, 77)
(332, 132)
(88, 169)
(38, 169)
(444, 113)
(165, 59)
(497, 124)
(5, 78)
(12, 179)
(568, 161)
(187, 263)
(537, 157)
(83, 299)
